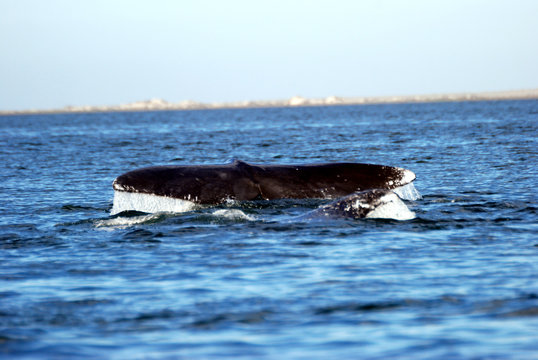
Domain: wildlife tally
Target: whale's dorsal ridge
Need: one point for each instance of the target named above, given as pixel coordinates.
(240, 163)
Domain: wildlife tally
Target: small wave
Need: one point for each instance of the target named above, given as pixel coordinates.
(357, 307)
(123, 222)
(525, 312)
(245, 318)
(75, 207)
(233, 214)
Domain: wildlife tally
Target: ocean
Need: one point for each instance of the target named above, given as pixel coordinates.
(256, 279)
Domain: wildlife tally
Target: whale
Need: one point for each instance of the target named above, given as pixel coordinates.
(180, 187)
(373, 203)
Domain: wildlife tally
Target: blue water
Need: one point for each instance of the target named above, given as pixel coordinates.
(458, 282)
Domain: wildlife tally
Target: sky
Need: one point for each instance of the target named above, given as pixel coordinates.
(57, 53)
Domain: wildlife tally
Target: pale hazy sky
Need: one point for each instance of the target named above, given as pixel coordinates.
(101, 52)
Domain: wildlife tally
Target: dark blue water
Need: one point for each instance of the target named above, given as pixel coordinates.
(458, 282)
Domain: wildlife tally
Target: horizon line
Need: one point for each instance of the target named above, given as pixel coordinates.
(157, 104)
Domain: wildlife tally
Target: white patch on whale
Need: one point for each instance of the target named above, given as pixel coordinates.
(129, 201)
(407, 176)
(390, 207)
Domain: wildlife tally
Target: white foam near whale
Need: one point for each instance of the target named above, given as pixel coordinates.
(123, 222)
(232, 214)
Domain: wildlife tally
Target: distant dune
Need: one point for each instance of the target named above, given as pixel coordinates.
(159, 104)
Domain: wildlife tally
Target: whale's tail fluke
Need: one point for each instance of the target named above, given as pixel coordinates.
(373, 203)
(213, 184)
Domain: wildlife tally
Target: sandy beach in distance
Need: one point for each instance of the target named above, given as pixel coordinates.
(160, 104)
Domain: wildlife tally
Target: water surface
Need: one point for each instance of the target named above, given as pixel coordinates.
(246, 280)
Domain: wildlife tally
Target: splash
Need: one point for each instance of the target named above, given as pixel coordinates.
(408, 192)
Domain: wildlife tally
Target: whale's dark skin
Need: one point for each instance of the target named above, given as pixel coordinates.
(213, 184)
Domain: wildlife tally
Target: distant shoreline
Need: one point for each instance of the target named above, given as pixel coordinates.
(296, 101)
